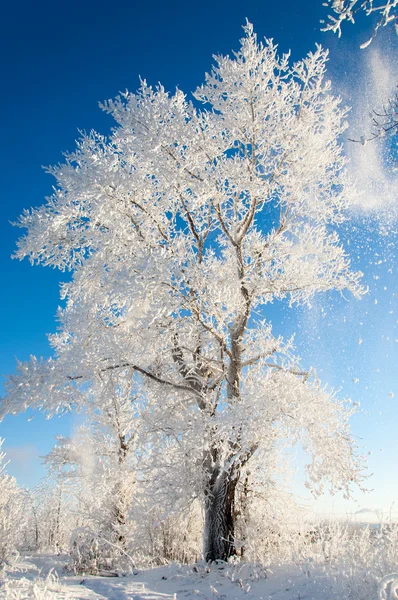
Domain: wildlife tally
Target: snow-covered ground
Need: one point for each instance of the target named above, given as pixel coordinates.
(42, 577)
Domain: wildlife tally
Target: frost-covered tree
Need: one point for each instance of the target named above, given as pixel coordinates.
(101, 496)
(103, 451)
(11, 513)
(49, 516)
(180, 229)
(98, 466)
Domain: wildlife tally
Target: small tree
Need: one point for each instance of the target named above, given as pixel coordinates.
(49, 516)
(98, 467)
(11, 514)
(180, 229)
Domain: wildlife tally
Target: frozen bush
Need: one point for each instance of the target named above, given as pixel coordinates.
(39, 589)
(94, 554)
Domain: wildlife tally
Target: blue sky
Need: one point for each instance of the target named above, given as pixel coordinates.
(59, 60)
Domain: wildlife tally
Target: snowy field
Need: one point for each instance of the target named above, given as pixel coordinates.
(43, 577)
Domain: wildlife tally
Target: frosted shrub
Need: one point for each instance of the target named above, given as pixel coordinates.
(91, 553)
(39, 589)
(361, 559)
(357, 556)
(369, 554)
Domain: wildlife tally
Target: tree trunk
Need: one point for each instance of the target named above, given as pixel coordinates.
(219, 535)
(243, 512)
(120, 520)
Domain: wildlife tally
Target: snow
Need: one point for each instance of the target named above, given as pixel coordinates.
(45, 573)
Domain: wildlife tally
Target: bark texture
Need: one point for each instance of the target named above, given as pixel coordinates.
(219, 539)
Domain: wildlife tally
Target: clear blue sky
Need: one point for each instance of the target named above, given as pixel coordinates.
(58, 61)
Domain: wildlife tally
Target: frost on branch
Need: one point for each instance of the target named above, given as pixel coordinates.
(179, 229)
(345, 10)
